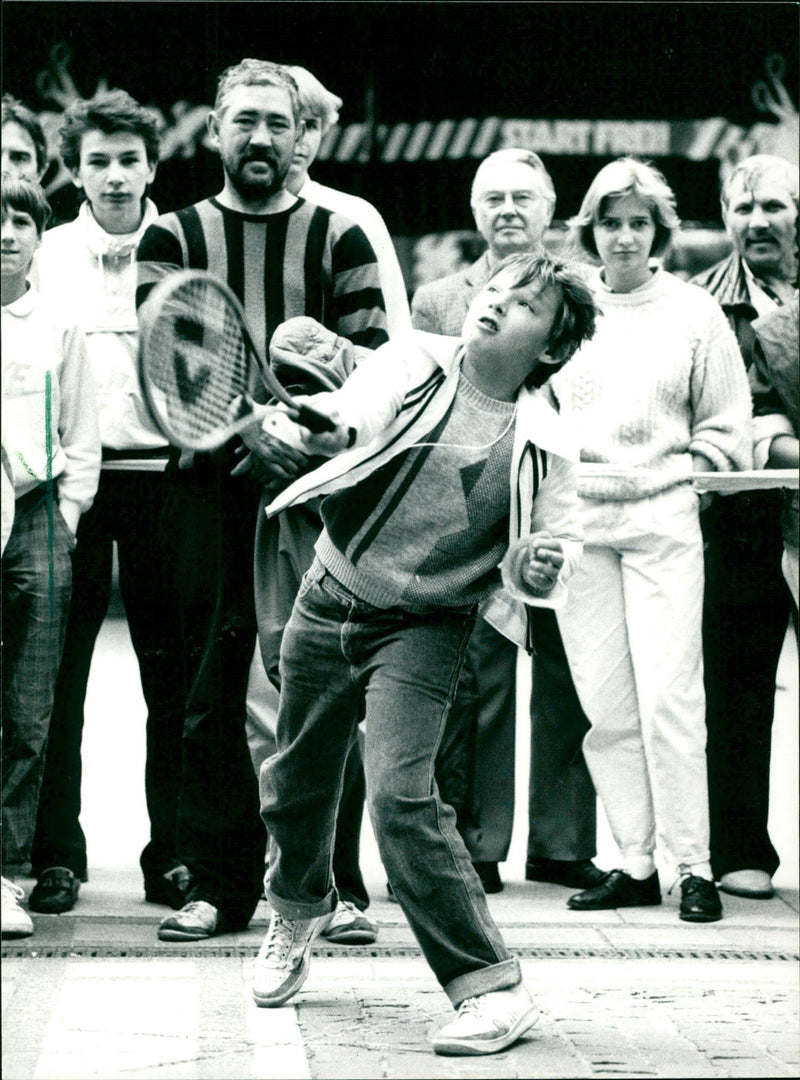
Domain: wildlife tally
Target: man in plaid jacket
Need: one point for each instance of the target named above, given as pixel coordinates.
(512, 200)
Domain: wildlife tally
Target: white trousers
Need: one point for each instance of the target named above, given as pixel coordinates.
(632, 632)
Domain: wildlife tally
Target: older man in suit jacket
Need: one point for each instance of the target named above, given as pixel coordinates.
(512, 201)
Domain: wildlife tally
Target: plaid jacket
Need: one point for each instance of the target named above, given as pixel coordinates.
(745, 525)
(441, 306)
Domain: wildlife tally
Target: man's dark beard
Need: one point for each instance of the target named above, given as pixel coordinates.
(258, 190)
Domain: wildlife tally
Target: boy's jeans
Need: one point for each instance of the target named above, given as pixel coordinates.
(337, 648)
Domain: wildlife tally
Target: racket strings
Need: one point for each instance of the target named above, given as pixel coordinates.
(204, 360)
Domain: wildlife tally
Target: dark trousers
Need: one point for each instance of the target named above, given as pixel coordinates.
(475, 764)
(745, 616)
(209, 521)
(284, 551)
(127, 509)
(562, 808)
(36, 576)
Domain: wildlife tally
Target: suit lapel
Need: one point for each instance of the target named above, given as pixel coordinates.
(475, 277)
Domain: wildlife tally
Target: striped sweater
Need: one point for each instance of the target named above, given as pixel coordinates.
(395, 399)
(429, 528)
(302, 261)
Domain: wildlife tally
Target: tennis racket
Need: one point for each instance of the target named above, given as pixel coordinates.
(197, 359)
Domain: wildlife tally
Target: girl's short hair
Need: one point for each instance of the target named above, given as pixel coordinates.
(626, 176)
(315, 98)
(26, 196)
(110, 111)
(575, 321)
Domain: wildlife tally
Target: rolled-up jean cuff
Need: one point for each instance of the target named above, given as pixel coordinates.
(290, 909)
(502, 976)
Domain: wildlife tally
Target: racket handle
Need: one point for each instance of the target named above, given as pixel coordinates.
(313, 420)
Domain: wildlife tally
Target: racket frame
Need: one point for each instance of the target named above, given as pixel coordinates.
(251, 412)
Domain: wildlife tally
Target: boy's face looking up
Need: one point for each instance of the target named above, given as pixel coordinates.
(114, 174)
(507, 329)
(19, 240)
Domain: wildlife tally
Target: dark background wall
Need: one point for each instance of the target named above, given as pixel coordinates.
(426, 61)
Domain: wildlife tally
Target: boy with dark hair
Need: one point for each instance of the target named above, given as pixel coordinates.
(24, 149)
(446, 465)
(110, 145)
(52, 443)
(110, 113)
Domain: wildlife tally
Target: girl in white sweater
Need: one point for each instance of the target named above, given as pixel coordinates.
(659, 392)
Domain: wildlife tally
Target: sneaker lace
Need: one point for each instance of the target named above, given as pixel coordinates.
(11, 892)
(469, 1006)
(279, 940)
(197, 907)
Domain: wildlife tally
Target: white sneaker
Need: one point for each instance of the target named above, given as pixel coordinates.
(349, 926)
(488, 1023)
(195, 921)
(15, 921)
(282, 962)
(755, 884)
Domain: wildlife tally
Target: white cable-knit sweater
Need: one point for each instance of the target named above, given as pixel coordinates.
(661, 380)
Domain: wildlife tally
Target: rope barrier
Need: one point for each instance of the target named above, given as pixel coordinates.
(726, 483)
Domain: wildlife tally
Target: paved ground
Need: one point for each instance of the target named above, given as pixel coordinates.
(631, 993)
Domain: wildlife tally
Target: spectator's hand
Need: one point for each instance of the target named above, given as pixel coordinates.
(784, 453)
(326, 443)
(545, 558)
(272, 459)
(700, 463)
(71, 514)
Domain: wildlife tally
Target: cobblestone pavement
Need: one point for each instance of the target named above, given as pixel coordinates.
(363, 1018)
(623, 993)
(629, 993)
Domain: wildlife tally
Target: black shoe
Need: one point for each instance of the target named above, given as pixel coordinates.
(700, 900)
(618, 890)
(489, 875)
(575, 873)
(55, 892)
(169, 888)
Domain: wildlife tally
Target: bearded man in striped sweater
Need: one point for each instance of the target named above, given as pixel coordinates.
(283, 257)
